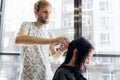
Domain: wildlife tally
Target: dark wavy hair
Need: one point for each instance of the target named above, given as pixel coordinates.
(83, 46)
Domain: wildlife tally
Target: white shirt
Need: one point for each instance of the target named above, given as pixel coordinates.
(35, 59)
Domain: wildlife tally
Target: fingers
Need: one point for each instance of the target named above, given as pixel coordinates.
(64, 44)
(60, 39)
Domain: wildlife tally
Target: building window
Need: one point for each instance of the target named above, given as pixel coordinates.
(70, 22)
(64, 8)
(105, 60)
(107, 76)
(86, 4)
(104, 39)
(104, 5)
(64, 23)
(104, 22)
(86, 21)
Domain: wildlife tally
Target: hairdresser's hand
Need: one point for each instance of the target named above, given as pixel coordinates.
(64, 44)
(57, 40)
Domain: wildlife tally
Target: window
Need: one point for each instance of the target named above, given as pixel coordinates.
(9, 67)
(86, 21)
(107, 76)
(11, 23)
(64, 8)
(105, 5)
(105, 60)
(104, 22)
(87, 4)
(105, 39)
(64, 23)
(100, 24)
(103, 32)
(16, 12)
(68, 23)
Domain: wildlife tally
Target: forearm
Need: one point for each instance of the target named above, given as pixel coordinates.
(31, 40)
(52, 49)
(56, 55)
(54, 52)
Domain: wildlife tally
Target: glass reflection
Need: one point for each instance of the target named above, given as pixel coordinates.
(9, 67)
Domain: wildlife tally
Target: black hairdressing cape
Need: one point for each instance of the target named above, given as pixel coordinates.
(67, 73)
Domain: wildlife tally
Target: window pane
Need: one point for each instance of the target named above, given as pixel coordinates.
(104, 34)
(61, 22)
(17, 11)
(13, 16)
(9, 67)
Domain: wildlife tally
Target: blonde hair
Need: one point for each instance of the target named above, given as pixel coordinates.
(41, 4)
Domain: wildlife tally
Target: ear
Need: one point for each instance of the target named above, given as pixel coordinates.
(75, 51)
(35, 12)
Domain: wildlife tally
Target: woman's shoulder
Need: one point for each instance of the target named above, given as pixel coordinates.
(61, 70)
(64, 69)
(63, 73)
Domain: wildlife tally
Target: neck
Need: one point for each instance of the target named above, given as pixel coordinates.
(72, 62)
(39, 24)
